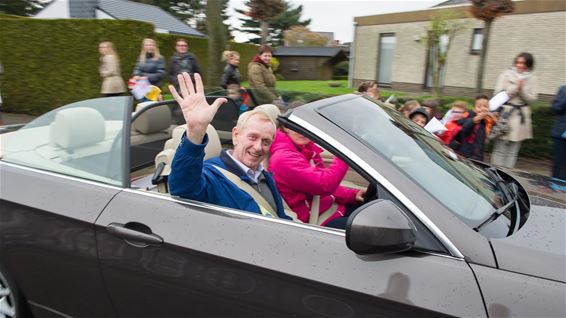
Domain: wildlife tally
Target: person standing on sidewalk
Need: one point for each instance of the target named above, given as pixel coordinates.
(112, 82)
(559, 135)
(182, 61)
(521, 86)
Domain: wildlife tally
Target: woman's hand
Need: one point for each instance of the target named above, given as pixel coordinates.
(360, 195)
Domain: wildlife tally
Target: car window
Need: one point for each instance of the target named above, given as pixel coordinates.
(82, 139)
(457, 183)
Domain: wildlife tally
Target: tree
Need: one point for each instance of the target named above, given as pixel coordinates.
(299, 35)
(276, 26)
(216, 41)
(441, 33)
(23, 7)
(192, 12)
(488, 11)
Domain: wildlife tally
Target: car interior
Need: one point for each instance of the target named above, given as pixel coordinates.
(153, 178)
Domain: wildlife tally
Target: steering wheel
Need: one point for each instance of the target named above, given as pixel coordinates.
(371, 193)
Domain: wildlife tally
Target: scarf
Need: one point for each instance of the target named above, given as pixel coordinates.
(258, 59)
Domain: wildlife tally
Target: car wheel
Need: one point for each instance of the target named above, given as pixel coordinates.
(11, 304)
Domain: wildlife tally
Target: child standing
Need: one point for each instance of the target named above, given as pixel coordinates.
(475, 130)
(458, 112)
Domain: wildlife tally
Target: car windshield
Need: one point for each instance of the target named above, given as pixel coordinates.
(456, 182)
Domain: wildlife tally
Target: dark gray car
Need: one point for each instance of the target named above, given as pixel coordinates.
(87, 228)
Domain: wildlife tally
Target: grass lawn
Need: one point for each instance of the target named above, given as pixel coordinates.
(321, 87)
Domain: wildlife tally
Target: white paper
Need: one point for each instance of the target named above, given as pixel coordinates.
(447, 117)
(141, 88)
(389, 99)
(496, 101)
(435, 126)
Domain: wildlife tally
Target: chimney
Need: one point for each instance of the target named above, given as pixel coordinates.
(83, 9)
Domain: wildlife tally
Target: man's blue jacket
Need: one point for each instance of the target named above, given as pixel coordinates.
(193, 178)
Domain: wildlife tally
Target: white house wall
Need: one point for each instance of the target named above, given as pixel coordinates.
(59, 9)
(103, 15)
(541, 34)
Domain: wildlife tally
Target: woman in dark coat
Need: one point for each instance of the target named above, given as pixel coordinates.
(231, 74)
(150, 64)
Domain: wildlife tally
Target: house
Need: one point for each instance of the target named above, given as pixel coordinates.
(308, 63)
(117, 10)
(392, 48)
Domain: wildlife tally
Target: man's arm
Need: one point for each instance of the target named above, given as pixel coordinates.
(186, 177)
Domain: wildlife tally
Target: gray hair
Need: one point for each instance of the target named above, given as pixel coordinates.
(260, 113)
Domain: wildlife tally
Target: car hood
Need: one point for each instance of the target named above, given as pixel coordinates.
(538, 248)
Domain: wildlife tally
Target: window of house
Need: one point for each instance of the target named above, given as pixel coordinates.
(477, 39)
(385, 58)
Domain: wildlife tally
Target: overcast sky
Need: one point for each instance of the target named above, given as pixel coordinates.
(338, 15)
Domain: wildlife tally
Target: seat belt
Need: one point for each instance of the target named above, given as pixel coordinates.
(314, 217)
(264, 206)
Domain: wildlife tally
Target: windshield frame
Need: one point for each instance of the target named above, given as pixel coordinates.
(488, 204)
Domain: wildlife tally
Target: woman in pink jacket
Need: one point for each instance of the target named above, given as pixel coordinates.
(300, 174)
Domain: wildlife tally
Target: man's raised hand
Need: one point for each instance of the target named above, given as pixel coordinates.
(196, 111)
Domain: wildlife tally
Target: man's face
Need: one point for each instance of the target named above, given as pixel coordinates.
(481, 106)
(252, 143)
(181, 47)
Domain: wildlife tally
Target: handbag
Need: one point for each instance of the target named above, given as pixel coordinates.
(501, 127)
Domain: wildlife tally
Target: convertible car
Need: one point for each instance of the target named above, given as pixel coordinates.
(88, 228)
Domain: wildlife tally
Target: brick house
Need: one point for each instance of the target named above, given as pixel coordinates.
(391, 48)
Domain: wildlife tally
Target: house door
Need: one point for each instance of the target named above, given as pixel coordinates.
(385, 58)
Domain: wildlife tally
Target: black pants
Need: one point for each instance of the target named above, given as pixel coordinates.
(559, 158)
(340, 223)
(113, 94)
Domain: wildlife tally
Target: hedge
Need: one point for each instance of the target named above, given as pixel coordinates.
(52, 62)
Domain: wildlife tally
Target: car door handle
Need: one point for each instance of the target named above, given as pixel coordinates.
(135, 233)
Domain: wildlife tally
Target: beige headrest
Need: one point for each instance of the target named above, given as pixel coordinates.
(167, 157)
(77, 127)
(153, 120)
(214, 146)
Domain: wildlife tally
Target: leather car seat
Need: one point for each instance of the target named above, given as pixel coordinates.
(164, 159)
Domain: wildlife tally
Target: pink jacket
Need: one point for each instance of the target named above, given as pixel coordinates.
(298, 181)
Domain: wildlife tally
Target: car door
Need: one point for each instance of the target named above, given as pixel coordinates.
(165, 257)
(53, 189)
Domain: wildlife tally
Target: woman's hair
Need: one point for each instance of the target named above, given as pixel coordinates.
(156, 54)
(264, 48)
(529, 59)
(409, 106)
(110, 48)
(226, 55)
(431, 104)
(365, 86)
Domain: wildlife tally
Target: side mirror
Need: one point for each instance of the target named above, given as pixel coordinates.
(379, 227)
